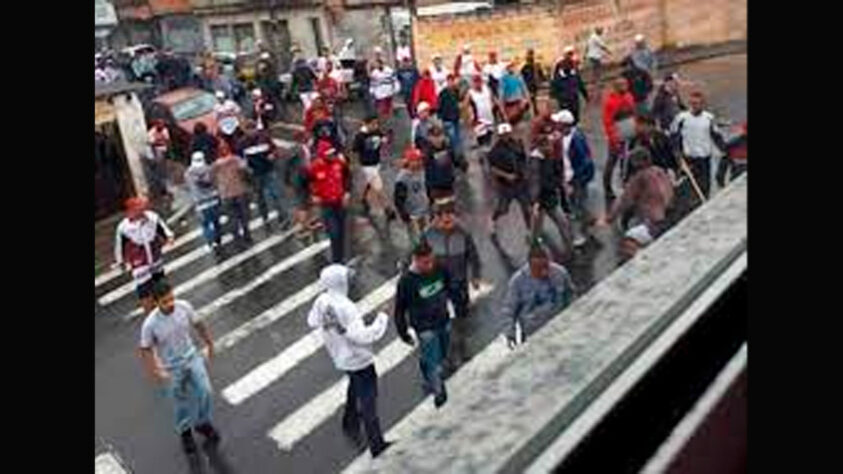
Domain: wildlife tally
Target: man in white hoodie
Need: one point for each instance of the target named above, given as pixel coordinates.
(349, 342)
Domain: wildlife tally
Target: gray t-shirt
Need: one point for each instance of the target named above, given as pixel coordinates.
(169, 334)
(417, 203)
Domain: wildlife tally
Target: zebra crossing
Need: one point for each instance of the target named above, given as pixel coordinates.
(288, 271)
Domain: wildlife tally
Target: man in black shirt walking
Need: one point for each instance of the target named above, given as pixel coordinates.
(423, 293)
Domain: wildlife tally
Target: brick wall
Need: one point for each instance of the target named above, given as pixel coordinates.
(548, 29)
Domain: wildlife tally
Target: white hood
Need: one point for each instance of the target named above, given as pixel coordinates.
(344, 332)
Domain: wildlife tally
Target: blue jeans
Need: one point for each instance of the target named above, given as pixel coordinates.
(434, 344)
(452, 129)
(334, 217)
(361, 402)
(266, 185)
(210, 217)
(190, 390)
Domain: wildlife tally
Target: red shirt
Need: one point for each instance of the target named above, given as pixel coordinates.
(612, 104)
(328, 88)
(327, 179)
(425, 91)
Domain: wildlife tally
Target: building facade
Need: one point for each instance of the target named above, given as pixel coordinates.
(168, 24)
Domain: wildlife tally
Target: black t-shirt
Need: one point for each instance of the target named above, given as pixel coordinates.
(256, 149)
(368, 145)
(508, 158)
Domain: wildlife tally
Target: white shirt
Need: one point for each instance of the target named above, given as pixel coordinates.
(696, 133)
(383, 83)
(483, 105)
(493, 70)
(340, 323)
(403, 52)
(440, 78)
(594, 47)
(468, 67)
(566, 155)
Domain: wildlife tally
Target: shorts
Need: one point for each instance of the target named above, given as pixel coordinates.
(372, 177)
(144, 290)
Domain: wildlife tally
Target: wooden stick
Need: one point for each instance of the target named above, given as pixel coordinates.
(690, 176)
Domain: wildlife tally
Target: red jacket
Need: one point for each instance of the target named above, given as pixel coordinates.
(612, 104)
(425, 91)
(328, 179)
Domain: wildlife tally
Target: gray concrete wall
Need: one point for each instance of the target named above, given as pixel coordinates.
(501, 413)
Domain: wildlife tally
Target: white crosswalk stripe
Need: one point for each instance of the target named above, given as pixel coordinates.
(217, 270)
(484, 362)
(194, 234)
(275, 368)
(307, 418)
(211, 308)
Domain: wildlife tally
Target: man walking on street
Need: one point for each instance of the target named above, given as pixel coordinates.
(578, 160)
(648, 194)
(548, 191)
(449, 112)
(423, 293)
(535, 293)
(330, 183)
(165, 337)
(567, 84)
(594, 53)
(200, 180)
(410, 195)
(138, 245)
(699, 136)
(455, 251)
(618, 106)
(508, 164)
(655, 141)
(667, 103)
(369, 148)
(533, 76)
(229, 171)
(349, 342)
(261, 154)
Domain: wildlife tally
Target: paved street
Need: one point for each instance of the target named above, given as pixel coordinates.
(278, 397)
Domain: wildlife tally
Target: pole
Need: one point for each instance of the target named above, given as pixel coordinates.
(410, 5)
(391, 29)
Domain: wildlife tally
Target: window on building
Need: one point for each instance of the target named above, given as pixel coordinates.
(244, 37)
(222, 39)
(277, 35)
(317, 34)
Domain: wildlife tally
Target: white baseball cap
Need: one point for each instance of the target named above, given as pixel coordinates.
(639, 38)
(568, 49)
(256, 92)
(264, 55)
(423, 106)
(563, 116)
(378, 50)
(220, 95)
(504, 128)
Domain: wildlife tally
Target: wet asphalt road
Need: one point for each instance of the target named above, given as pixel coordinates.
(135, 418)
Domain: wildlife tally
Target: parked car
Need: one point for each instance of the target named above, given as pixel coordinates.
(181, 110)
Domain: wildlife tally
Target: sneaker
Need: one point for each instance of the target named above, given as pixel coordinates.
(212, 437)
(377, 452)
(440, 399)
(188, 444)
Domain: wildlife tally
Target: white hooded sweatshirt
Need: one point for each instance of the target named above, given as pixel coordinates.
(344, 332)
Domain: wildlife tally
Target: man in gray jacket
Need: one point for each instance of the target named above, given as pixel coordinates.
(536, 292)
(200, 181)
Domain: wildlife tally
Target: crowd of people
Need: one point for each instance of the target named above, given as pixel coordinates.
(539, 157)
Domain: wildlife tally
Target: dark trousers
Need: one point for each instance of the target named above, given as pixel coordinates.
(734, 169)
(701, 170)
(572, 104)
(334, 217)
(266, 186)
(609, 170)
(238, 210)
(361, 402)
(506, 194)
